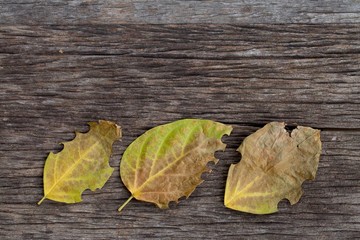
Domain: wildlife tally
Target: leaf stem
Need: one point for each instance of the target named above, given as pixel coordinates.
(41, 200)
(125, 203)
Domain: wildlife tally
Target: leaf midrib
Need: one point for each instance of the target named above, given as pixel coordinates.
(162, 145)
(166, 168)
(75, 164)
(243, 190)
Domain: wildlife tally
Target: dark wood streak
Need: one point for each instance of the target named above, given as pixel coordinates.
(63, 64)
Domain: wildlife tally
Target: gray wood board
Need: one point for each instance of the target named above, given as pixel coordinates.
(55, 78)
(165, 12)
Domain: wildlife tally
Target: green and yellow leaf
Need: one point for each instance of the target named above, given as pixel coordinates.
(82, 164)
(166, 162)
(273, 166)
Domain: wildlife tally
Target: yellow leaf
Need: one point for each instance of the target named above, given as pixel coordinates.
(273, 167)
(166, 162)
(82, 164)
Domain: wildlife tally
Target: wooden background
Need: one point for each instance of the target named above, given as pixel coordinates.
(144, 63)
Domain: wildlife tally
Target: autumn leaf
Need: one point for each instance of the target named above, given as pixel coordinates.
(82, 164)
(274, 164)
(166, 162)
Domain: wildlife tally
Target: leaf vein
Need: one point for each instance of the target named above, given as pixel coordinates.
(75, 164)
(154, 161)
(167, 167)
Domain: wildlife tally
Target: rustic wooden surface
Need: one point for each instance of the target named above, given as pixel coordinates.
(64, 64)
(36, 12)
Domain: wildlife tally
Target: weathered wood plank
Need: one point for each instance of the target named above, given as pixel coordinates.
(328, 209)
(144, 75)
(308, 73)
(178, 11)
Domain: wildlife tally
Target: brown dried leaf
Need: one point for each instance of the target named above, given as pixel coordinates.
(273, 167)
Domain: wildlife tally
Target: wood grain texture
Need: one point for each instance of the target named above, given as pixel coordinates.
(178, 11)
(55, 78)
